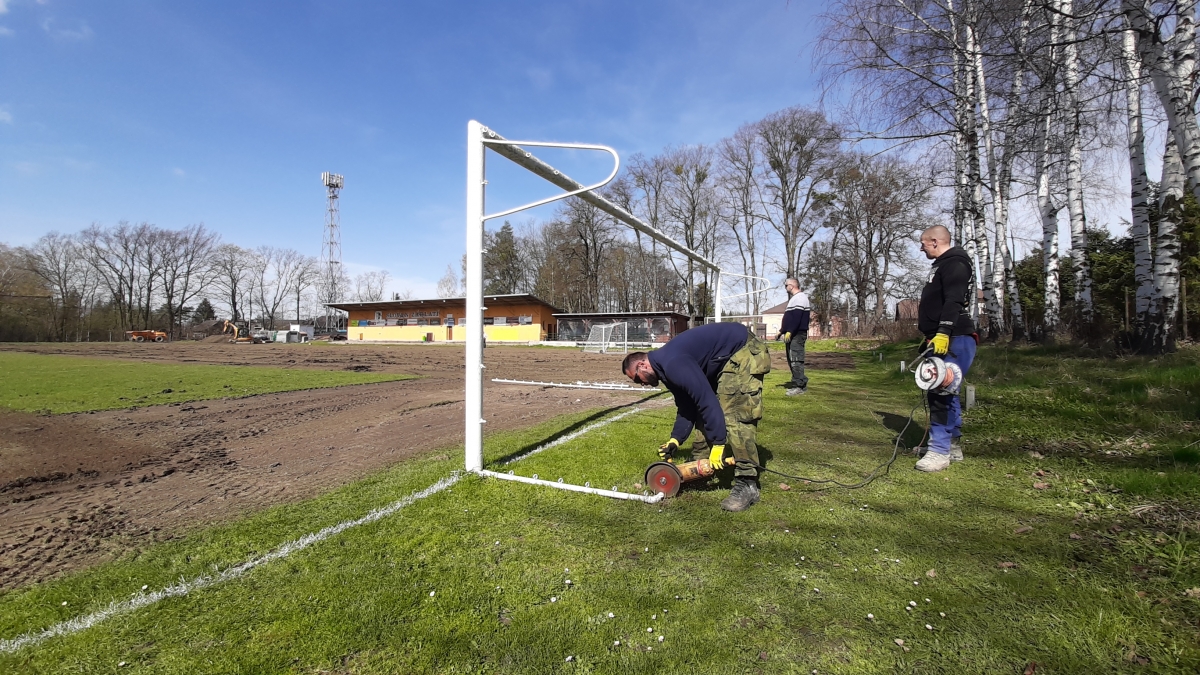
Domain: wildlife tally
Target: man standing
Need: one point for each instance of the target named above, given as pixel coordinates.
(716, 373)
(944, 317)
(793, 330)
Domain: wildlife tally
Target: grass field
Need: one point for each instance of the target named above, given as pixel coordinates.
(1068, 538)
(65, 384)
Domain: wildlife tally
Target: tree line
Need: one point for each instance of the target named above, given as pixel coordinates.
(1015, 94)
(81, 286)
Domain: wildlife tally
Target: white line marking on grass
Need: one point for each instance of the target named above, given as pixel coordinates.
(571, 436)
(141, 600)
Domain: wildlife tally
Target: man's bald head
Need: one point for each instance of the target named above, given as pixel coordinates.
(935, 241)
(937, 233)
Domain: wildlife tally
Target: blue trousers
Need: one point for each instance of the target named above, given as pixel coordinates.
(945, 412)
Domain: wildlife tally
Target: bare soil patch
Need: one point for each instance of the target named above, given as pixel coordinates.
(81, 488)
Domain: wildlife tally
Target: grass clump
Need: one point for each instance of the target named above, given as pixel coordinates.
(67, 384)
(1009, 557)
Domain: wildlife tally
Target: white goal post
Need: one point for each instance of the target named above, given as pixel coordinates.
(479, 139)
(608, 337)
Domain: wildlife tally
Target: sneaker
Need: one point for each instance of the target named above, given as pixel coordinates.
(743, 495)
(795, 391)
(933, 461)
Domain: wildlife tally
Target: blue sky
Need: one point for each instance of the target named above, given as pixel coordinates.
(178, 112)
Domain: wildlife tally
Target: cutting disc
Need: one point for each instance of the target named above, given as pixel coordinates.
(664, 477)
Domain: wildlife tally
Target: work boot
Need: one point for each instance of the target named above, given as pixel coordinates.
(795, 391)
(743, 495)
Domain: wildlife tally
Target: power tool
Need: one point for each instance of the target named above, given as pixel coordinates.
(668, 477)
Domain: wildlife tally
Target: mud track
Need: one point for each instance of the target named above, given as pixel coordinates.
(79, 489)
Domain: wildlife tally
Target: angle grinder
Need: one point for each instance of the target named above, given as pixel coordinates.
(668, 477)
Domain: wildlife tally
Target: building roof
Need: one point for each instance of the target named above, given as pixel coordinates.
(613, 315)
(777, 309)
(489, 300)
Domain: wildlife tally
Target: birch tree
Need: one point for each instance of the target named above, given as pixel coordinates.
(1139, 185)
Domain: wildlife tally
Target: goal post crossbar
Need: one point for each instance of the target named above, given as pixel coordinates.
(512, 151)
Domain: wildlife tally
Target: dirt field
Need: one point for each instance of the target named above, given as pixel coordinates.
(81, 488)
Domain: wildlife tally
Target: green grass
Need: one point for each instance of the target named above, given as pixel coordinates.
(738, 589)
(65, 384)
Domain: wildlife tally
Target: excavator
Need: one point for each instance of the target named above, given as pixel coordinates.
(240, 333)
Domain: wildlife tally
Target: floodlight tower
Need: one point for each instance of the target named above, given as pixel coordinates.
(331, 247)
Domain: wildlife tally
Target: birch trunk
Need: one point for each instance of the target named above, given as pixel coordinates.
(1049, 215)
(1165, 307)
(1004, 184)
(1171, 66)
(1139, 223)
(1083, 277)
(992, 286)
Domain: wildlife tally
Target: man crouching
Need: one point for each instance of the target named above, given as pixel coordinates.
(716, 374)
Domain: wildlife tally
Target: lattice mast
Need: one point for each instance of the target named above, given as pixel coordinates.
(331, 249)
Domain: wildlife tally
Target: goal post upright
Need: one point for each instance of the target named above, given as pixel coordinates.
(473, 404)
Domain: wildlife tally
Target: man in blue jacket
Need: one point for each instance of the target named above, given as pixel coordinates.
(716, 373)
(793, 330)
(944, 317)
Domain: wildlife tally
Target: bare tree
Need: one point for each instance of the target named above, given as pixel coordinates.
(186, 267)
(447, 286)
(230, 276)
(797, 146)
(369, 286)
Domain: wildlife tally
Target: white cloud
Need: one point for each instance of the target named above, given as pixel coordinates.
(5, 116)
(83, 32)
(27, 168)
(179, 172)
(5, 31)
(3, 6)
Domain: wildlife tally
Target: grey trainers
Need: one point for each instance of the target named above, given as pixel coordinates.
(743, 495)
(795, 391)
(933, 461)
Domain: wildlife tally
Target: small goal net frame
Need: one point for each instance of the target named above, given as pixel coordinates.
(480, 139)
(608, 338)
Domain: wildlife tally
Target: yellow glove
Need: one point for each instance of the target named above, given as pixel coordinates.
(787, 337)
(667, 450)
(716, 458)
(941, 344)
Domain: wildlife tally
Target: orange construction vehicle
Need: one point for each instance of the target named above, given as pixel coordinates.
(145, 336)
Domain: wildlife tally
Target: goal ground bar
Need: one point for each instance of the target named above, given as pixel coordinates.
(577, 385)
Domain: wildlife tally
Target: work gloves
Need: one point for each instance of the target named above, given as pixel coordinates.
(941, 344)
(667, 450)
(786, 337)
(716, 458)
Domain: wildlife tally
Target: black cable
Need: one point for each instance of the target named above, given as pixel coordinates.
(875, 473)
(886, 466)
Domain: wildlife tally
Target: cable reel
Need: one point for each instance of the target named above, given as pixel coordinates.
(935, 374)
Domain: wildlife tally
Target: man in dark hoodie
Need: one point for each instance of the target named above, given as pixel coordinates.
(793, 330)
(944, 317)
(716, 373)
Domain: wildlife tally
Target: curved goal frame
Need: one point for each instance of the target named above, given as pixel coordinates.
(479, 139)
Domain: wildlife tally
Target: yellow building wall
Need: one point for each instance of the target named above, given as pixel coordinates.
(530, 333)
(542, 320)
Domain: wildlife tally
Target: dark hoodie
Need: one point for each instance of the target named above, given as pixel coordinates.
(945, 300)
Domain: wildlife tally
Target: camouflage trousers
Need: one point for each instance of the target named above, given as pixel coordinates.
(739, 389)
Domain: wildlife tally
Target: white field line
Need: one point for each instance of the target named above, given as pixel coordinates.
(141, 600)
(571, 436)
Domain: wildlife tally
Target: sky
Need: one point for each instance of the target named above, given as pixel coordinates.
(226, 113)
